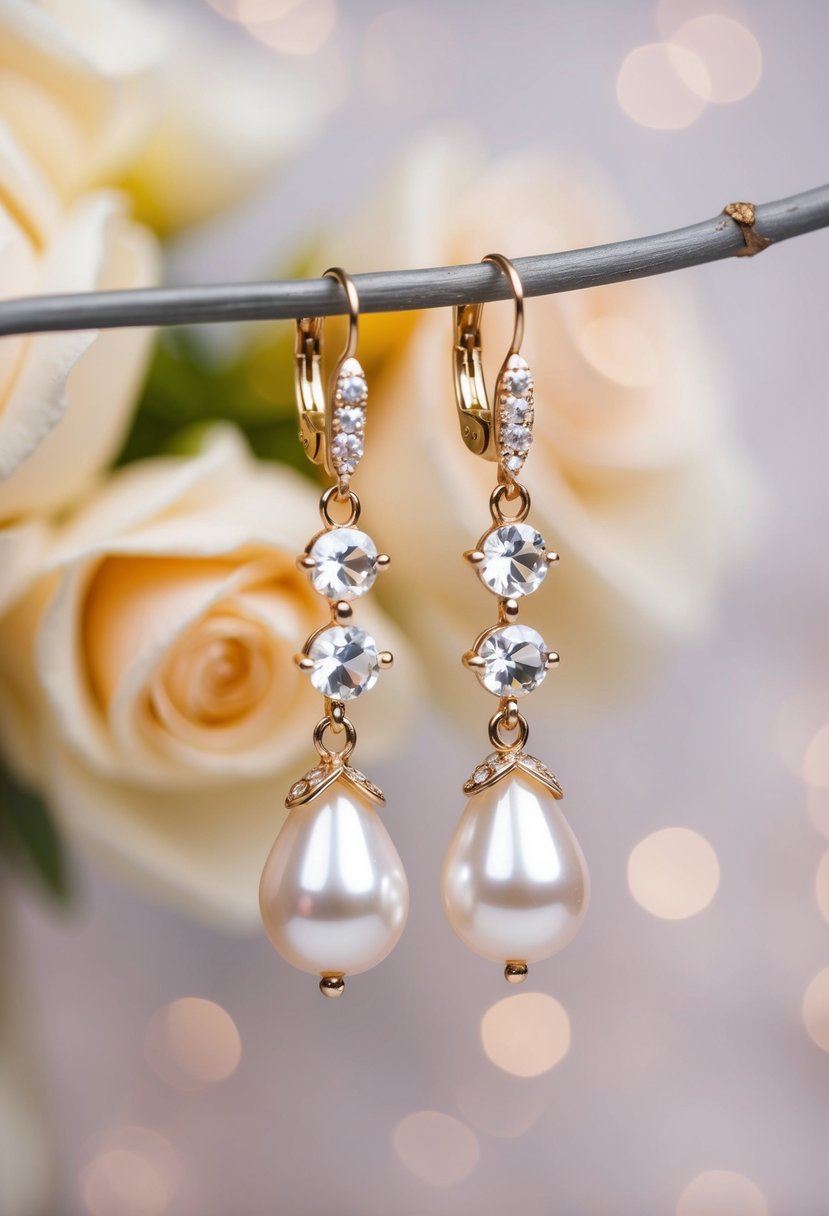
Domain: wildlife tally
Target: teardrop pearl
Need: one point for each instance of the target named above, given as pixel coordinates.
(515, 882)
(333, 896)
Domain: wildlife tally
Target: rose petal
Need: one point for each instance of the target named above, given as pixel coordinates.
(56, 429)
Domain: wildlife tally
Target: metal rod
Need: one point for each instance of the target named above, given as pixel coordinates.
(402, 290)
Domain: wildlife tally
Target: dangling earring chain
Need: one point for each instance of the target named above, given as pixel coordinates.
(515, 885)
(320, 913)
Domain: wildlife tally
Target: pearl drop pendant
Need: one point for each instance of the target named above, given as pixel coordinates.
(333, 895)
(514, 883)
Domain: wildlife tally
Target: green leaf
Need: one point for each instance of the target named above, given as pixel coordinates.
(28, 835)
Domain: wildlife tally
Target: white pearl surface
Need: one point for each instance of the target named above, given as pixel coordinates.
(333, 895)
(515, 882)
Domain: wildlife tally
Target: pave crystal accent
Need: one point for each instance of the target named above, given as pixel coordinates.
(498, 764)
(345, 660)
(515, 560)
(515, 660)
(345, 563)
(318, 779)
(515, 414)
(516, 409)
(353, 387)
(347, 452)
(349, 419)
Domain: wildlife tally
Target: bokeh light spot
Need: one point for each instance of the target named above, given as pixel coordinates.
(662, 86)
(673, 873)
(722, 1193)
(730, 52)
(671, 14)
(192, 1042)
(619, 349)
(292, 27)
(135, 1173)
(822, 886)
(816, 1009)
(436, 1148)
(526, 1034)
(816, 759)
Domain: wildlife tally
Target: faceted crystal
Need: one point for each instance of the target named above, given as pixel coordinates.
(517, 409)
(518, 380)
(346, 563)
(347, 451)
(353, 388)
(350, 418)
(514, 463)
(346, 663)
(515, 659)
(515, 560)
(516, 437)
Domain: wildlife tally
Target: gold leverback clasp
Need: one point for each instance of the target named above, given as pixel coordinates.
(479, 425)
(329, 436)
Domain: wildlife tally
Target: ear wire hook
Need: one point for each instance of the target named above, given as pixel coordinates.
(313, 404)
(475, 415)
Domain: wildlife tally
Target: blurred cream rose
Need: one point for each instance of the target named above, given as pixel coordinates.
(97, 92)
(66, 399)
(635, 476)
(147, 685)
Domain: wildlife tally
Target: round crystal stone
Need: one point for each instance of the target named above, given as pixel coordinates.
(517, 409)
(353, 388)
(346, 563)
(515, 659)
(345, 662)
(351, 418)
(515, 560)
(518, 380)
(347, 451)
(517, 437)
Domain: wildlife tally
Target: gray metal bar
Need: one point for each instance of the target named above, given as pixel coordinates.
(401, 290)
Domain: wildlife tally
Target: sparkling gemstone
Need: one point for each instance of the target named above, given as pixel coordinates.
(480, 775)
(346, 563)
(345, 662)
(515, 560)
(514, 463)
(298, 789)
(516, 437)
(515, 659)
(351, 418)
(517, 409)
(347, 451)
(353, 388)
(518, 380)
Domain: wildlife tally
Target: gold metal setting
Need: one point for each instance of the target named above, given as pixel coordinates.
(318, 415)
(332, 431)
(478, 421)
(499, 764)
(503, 434)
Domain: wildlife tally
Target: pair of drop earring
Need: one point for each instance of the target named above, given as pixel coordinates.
(334, 896)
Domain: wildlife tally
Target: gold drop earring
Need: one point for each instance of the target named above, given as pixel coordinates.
(333, 896)
(514, 884)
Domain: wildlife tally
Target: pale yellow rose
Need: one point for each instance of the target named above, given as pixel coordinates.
(213, 144)
(97, 92)
(635, 476)
(147, 683)
(79, 85)
(66, 399)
